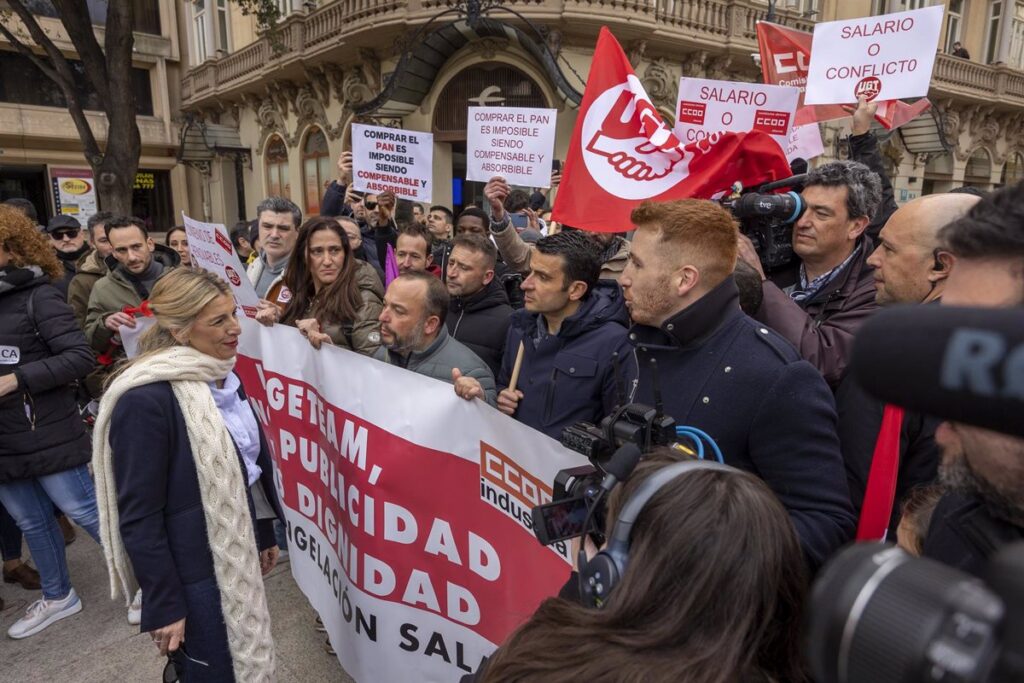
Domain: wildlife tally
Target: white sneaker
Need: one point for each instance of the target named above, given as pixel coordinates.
(42, 613)
(135, 611)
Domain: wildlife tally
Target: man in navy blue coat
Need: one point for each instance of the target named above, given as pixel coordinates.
(572, 330)
(723, 372)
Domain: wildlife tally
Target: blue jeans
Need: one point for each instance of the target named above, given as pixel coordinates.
(31, 501)
(206, 636)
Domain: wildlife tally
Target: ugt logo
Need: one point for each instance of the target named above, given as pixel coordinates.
(628, 149)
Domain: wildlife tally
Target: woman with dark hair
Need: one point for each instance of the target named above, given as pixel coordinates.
(712, 593)
(177, 239)
(335, 297)
(185, 487)
(44, 450)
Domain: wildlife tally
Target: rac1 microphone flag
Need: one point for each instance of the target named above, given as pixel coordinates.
(622, 153)
(959, 364)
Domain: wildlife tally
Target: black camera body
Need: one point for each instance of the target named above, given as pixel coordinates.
(767, 219)
(577, 495)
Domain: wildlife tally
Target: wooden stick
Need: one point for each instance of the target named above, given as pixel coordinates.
(517, 367)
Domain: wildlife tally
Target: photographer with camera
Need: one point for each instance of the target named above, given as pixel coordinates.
(835, 293)
(984, 469)
(710, 587)
(769, 411)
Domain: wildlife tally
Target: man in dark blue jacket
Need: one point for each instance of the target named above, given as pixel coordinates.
(573, 336)
(770, 412)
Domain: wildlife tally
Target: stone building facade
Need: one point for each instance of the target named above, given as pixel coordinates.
(418, 64)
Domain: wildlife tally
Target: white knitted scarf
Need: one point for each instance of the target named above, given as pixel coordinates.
(223, 491)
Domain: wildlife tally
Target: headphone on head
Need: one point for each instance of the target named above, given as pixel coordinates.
(599, 575)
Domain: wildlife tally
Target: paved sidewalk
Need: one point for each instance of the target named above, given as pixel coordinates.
(98, 645)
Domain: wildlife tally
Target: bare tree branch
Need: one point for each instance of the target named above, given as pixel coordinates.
(78, 24)
(63, 80)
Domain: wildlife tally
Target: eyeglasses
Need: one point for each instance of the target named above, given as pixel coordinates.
(70, 233)
(370, 204)
(175, 668)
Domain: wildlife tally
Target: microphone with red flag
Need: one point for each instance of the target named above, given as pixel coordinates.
(786, 59)
(622, 152)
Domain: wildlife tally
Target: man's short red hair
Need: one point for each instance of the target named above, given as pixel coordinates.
(700, 231)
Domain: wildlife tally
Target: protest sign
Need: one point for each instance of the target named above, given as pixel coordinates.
(516, 143)
(886, 57)
(707, 106)
(408, 512)
(393, 159)
(212, 250)
(805, 142)
(130, 336)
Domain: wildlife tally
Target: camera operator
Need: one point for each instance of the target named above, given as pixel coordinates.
(835, 293)
(910, 268)
(983, 469)
(769, 411)
(713, 591)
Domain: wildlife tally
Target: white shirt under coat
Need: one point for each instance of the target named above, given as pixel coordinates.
(241, 424)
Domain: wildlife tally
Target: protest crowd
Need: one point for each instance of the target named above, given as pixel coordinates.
(161, 459)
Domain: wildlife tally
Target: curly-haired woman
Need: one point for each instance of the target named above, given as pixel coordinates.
(43, 446)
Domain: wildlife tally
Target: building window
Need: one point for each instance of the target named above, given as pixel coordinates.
(316, 169)
(286, 7)
(1013, 170)
(995, 13)
(210, 28)
(954, 20)
(146, 13)
(20, 84)
(200, 30)
(278, 184)
(223, 26)
(1016, 56)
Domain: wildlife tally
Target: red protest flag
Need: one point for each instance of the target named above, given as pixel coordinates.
(622, 153)
(785, 60)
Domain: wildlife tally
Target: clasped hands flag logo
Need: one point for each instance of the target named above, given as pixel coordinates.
(622, 152)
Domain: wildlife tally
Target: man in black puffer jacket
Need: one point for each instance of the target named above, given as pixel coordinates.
(478, 311)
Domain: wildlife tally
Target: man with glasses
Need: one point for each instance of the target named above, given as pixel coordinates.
(69, 243)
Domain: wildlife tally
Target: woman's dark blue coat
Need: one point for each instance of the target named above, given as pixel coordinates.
(159, 504)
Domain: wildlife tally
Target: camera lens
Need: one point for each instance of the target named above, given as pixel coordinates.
(877, 615)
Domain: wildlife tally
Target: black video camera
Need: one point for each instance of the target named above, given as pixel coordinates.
(879, 615)
(577, 490)
(767, 219)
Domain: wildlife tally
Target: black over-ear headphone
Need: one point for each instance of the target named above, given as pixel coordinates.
(600, 575)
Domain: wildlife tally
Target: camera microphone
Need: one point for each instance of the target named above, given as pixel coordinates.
(960, 364)
(620, 465)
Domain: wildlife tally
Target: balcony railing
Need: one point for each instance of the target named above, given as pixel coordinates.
(723, 22)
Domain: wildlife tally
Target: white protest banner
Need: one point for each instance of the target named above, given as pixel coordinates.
(212, 250)
(516, 143)
(707, 106)
(411, 537)
(886, 57)
(805, 142)
(393, 159)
